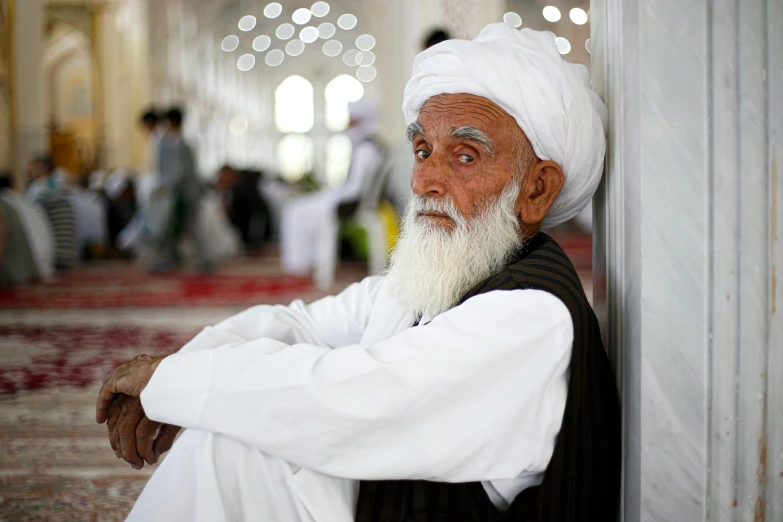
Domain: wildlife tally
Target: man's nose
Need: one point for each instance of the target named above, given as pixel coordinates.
(428, 179)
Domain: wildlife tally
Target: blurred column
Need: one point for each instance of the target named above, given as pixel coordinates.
(28, 130)
(112, 78)
(687, 226)
(6, 159)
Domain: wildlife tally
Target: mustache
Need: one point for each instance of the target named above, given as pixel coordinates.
(443, 205)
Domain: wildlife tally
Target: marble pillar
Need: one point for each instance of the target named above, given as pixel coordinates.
(687, 222)
(113, 83)
(28, 132)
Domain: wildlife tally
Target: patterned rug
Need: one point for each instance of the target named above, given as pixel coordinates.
(115, 286)
(56, 463)
(37, 357)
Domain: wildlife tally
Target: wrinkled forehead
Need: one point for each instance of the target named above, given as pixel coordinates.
(458, 110)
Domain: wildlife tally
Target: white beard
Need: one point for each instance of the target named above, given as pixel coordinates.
(432, 267)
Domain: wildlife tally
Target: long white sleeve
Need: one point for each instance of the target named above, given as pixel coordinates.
(332, 321)
(477, 394)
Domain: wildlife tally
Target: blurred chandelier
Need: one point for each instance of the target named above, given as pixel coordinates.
(295, 32)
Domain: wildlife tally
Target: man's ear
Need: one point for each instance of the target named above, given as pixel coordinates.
(541, 185)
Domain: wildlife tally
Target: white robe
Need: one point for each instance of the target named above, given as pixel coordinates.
(287, 407)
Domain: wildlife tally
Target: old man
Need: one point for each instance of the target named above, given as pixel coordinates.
(468, 384)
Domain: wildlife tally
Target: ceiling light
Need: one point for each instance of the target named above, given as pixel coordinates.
(274, 57)
(366, 74)
(246, 62)
(247, 23)
(350, 57)
(551, 13)
(512, 19)
(301, 16)
(261, 43)
(295, 47)
(365, 58)
(563, 45)
(326, 30)
(230, 43)
(320, 9)
(365, 42)
(309, 34)
(273, 10)
(285, 31)
(578, 16)
(347, 22)
(332, 48)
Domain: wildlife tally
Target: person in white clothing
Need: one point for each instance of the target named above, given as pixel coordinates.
(467, 383)
(303, 217)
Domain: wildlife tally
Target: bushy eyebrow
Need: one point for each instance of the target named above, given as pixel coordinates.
(476, 135)
(413, 130)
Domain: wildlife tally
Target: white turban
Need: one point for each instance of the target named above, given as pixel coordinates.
(522, 72)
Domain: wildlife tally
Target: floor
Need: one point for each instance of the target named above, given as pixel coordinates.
(57, 340)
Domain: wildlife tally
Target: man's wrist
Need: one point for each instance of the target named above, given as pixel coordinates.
(153, 368)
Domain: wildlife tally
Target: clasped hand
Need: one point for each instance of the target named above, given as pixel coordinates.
(132, 435)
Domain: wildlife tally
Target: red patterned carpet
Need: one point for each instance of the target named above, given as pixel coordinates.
(116, 287)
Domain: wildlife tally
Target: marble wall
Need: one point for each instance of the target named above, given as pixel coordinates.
(687, 229)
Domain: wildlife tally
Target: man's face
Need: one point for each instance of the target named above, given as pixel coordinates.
(455, 161)
(35, 170)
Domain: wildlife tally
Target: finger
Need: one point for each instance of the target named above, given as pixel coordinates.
(105, 398)
(114, 416)
(145, 437)
(164, 440)
(127, 433)
(115, 432)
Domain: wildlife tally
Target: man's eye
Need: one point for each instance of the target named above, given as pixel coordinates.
(465, 158)
(422, 154)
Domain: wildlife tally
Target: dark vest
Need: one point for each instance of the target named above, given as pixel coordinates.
(582, 481)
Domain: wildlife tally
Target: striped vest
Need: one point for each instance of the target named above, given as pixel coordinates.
(582, 480)
(62, 220)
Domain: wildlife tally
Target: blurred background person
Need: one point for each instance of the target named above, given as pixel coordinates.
(47, 188)
(90, 211)
(244, 205)
(25, 239)
(180, 187)
(42, 176)
(435, 37)
(303, 217)
(37, 236)
(119, 192)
